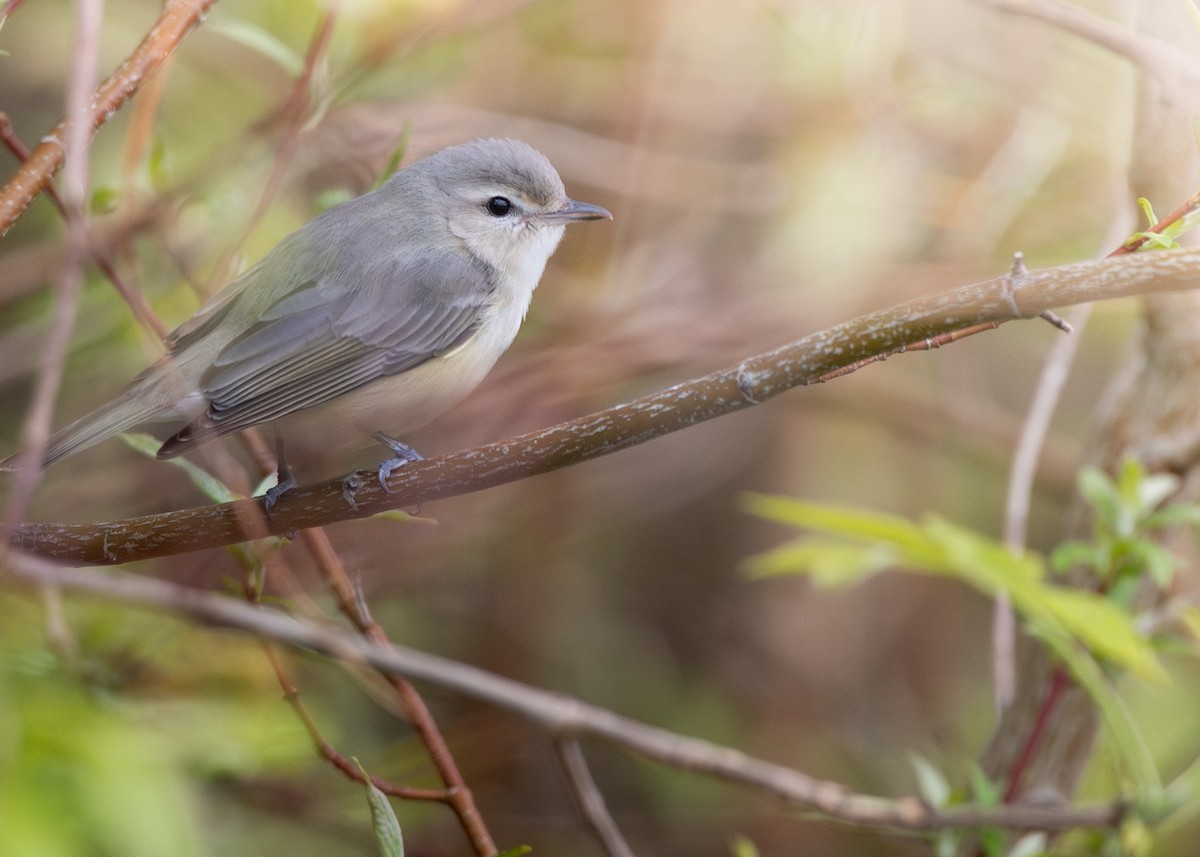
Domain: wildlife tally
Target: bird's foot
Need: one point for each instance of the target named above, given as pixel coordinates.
(404, 454)
(285, 480)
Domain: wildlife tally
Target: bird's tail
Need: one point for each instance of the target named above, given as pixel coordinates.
(123, 413)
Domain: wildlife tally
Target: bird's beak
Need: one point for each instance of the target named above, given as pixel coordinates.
(574, 210)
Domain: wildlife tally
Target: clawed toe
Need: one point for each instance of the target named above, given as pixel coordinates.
(404, 455)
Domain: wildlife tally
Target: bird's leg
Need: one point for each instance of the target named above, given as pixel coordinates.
(404, 455)
(285, 480)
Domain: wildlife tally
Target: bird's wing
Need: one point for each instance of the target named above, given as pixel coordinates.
(330, 335)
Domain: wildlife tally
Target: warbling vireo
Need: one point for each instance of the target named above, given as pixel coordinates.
(375, 316)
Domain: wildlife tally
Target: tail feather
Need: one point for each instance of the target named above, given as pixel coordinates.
(123, 413)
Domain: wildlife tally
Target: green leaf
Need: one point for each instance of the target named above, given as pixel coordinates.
(984, 563)
(1103, 627)
(985, 792)
(156, 165)
(212, 487)
(262, 42)
(1189, 618)
(516, 851)
(947, 843)
(1182, 513)
(1156, 488)
(839, 520)
(396, 157)
(931, 784)
(1148, 210)
(1155, 559)
(1153, 240)
(1029, 845)
(331, 198)
(400, 516)
(104, 200)
(1102, 495)
(830, 564)
(742, 846)
(383, 819)
(1068, 555)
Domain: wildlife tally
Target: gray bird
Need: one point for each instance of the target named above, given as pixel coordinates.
(375, 316)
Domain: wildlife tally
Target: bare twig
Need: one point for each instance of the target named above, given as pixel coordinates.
(457, 794)
(589, 799)
(35, 431)
(134, 298)
(562, 715)
(328, 752)
(1174, 68)
(752, 381)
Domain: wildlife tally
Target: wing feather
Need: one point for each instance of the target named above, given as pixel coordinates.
(333, 334)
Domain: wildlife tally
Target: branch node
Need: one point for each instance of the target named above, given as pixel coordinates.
(1018, 275)
(350, 486)
(745, 385)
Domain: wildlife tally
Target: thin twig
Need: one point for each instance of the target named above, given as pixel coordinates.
(35, 432)
(132, 296)
(328, 752)
(457, 794)
(1019, 494)
(589, 799)
(1173, 67)
(562, 715)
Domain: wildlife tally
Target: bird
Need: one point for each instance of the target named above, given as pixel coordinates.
(369, 321)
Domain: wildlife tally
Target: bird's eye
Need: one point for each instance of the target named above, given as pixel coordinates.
(498, 206)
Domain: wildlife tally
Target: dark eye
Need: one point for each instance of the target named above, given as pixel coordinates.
(498, 206)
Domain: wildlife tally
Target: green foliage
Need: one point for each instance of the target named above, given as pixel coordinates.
(849, 545)
(1167, 237)
(1091, 633)
(743, 846)
(383, 818)
(932, 784)
(211, 487)
(261, 42)
(1126, 513)
(105, 755)
(393, 162)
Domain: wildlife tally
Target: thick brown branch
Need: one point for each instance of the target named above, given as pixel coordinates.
(750, 382)
(566, 716)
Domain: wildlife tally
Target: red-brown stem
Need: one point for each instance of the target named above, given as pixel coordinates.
(327, 751)
(1059, 682)
(457, 795)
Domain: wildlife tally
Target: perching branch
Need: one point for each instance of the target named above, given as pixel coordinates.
(1022, 294)
(564, 716)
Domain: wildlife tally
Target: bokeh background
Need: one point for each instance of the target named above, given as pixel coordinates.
(774, 167)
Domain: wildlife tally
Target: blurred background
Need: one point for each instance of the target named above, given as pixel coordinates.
(773, 168)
